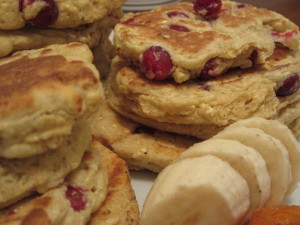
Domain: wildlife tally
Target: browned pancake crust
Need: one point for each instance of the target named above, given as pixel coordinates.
(140, 146)
(241, 36)
(20, 78)
(120, 206)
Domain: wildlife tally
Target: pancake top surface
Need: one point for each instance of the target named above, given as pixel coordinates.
(241, 36)
(21, 78)
(24, 75)
(15, 14)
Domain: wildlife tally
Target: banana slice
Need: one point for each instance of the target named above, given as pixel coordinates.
(285, 135)
(247, 161)
(274, 153)
(194, 192)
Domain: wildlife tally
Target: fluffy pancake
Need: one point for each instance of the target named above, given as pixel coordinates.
(22, 177)
(195, 108)
(284, 67)
(15, 14)
(140, 146)
(42, 94)
(73, 202)
(241, 36)
(32, 38)
(120, 205)
(112, 200)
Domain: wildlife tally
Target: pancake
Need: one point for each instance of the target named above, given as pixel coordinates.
(54, 13)
(286, 73)
(290, 116)
(73, 202)
(101, 185)
(33, 38)
(141, 147)
(103, 53)
(42, 94)
(181, 44)
(22, 177)
(284, 66)
(120, 205)
(196, 108)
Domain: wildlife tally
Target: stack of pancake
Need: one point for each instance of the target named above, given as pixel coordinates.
(181, 73)
(50, 169)
(31, 24)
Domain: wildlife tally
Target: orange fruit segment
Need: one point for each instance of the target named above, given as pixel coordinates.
(277, 215)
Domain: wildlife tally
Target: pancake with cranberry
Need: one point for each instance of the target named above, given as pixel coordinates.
(35, 37)
(72, 202)
(286, 67)
(120, 205)
(15, 14)
(42, 94)
(197, 108)
(98, 192)
(22, 177)
(179, 42)
(140, 146)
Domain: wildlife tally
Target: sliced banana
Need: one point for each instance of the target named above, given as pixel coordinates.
(285, 135)
(247, 161)
(274, 153)
(197, 191)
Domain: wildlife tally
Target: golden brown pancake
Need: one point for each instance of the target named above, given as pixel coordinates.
(23, 177)
(33, 38)
(140, 146)
(284, 69)
(196, 108)
(42, 94)
(67, 14)
(241, 36)
(120, 205)
(72, 202)
(101, 185)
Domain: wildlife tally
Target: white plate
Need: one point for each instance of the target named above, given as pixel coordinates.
(142, 182)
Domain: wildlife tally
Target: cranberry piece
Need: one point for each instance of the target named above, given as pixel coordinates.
(204, 87)
(210, 66)
(157, 63)
(177, 14)
(24, 3)
(289, 86)
(130, 21)
(47, 16)
(285, 35)
(209, 9)
(179, 28)
(76, 197)
(11, 212)
(254, 57)
(215, 67)
(241, 6)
